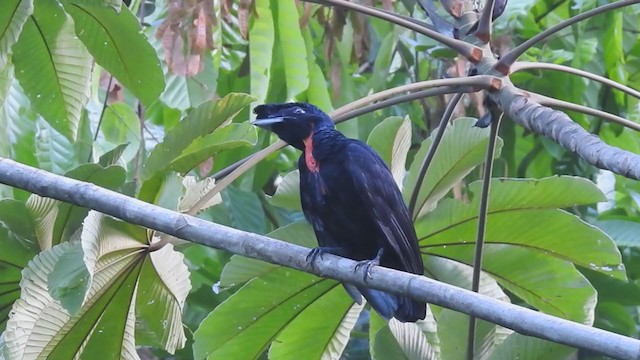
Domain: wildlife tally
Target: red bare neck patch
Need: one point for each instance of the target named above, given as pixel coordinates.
(311, 162)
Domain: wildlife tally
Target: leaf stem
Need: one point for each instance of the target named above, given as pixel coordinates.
(432, 151)
(551, 102)
(525, 65)
(482, 223)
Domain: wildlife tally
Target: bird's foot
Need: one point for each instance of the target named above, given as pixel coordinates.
(320, 251)
(368, 264)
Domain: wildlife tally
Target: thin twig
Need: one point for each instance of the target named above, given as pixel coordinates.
(432, 151)
(469, 51)
(524, 65)
(418, 95)
(482, 223)
(508, 59)
(555, 103)
(104, 108)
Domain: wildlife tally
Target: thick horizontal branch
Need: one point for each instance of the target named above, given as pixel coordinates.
(199, 231)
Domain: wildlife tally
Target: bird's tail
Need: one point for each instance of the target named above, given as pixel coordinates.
(390, 305)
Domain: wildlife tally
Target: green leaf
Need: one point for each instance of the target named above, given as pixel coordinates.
(515, 204)
(13, 15)
(117, 43)
(225, 138)
(518, 346)
(53, 67)
(240, 269)
(613, 52)
(318, 90)
(288, 192)
(55, 152)
(313, 335)
(296, 68)
(245, 209)
(463, 147)
(15, 216)
(623, 232)
(15, 256)
(262, 36)
(391, 139)
(199, 122)
(538, 279)
(120, 124)
(382, 62)
(112, 156)
(245, 324)
(69, 280)
(163, 288)
(69, 218)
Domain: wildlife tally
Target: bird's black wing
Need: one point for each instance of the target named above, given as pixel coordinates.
(373, 184)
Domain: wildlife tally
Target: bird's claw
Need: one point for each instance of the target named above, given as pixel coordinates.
(320, 251)
(368, 264)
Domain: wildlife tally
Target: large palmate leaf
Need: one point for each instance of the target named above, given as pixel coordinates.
(53, 67)
(526, 259)
(13, 15)
(303, 315)
(199, 123)
(55, 221)
(127, 288)
(463, 147)
(117, 43)
(516, 206)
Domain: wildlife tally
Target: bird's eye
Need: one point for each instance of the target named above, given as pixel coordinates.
(298, 111)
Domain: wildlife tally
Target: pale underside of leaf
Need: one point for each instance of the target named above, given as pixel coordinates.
(38, 323)
(194, 191)
(43, 212)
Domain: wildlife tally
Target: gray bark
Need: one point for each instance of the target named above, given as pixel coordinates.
(199, 231)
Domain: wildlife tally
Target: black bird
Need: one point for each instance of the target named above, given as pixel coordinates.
(350, 198)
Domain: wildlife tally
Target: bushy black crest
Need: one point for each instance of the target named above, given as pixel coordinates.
(270, 110)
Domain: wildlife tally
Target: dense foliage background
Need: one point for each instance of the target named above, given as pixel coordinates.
(153, 100)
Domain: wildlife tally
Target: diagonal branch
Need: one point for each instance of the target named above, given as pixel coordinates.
(525, 65)
(471, 52)
(547, 101)
(558, 127)
(507, 60)
(199, 231)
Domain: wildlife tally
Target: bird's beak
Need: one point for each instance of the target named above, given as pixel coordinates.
(268, 122)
